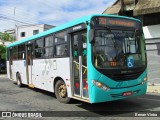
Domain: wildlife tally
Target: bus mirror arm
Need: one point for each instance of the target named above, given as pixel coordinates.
(91, 35)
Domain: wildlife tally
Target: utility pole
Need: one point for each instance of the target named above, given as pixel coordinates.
(16, 30)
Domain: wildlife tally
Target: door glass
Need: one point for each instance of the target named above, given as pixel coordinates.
(29, 55)
(76, 65)
(84, 65)
(80, 64)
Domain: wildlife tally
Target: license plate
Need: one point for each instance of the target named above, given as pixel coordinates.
(127, 93)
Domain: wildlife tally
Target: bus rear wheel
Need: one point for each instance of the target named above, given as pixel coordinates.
(19, 81)
(61, 92)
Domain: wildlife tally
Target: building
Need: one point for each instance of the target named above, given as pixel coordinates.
(11, 32)
(29, 30)
(148, 11)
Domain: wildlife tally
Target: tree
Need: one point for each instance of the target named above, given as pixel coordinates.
(2, 52)
(4, 37)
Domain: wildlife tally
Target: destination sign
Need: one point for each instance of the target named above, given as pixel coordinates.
(106, 21)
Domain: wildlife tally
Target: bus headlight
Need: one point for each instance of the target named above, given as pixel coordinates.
(144, 80)
(100, 85)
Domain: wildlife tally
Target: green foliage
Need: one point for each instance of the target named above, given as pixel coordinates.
(2, 52)
(6, 37)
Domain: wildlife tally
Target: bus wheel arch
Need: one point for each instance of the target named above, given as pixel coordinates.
(60, 90)
(18, 79)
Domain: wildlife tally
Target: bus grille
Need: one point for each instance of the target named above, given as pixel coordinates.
(124, 77)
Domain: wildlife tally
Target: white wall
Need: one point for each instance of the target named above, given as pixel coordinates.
(28, 30)
(152, 31)
(152, 38)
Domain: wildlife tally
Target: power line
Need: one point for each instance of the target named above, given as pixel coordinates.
(17, 14)
(10, 14)
(3, 17)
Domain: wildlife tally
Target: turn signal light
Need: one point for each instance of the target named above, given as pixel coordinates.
(144, 80)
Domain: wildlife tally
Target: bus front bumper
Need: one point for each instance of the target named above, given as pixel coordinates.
(100, 95)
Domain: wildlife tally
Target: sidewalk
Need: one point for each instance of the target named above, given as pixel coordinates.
(3, 75)
(153, 88)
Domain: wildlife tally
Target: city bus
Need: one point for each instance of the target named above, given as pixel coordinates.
(96, 58)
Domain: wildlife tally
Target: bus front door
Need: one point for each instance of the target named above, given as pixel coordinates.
(29, 63)
(79, 53)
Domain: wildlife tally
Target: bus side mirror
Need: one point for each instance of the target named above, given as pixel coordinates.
(91, 35)
(139, 32)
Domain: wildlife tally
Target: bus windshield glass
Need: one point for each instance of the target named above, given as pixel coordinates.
(118, 49)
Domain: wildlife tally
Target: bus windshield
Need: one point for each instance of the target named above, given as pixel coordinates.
(118, 49)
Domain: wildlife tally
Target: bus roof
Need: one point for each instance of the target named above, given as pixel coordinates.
(67, 25)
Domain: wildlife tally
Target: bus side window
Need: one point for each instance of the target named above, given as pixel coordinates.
(61, 44)
(39, 45)
(48, 46)
(21, 52)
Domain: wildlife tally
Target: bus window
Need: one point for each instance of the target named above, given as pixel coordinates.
(60, 37)
(48, 41)
(48, 50)
(39, 48)
(15, 50)
(61, 50)
(39, 43)
(21, 52)
(61, 44)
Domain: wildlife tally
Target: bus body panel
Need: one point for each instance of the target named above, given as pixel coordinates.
(99, 95)
(44, 72)
(19, 67)
(115, 87)
(95, 75)
(14, 68)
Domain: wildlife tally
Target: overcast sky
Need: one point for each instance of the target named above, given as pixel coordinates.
(54, 12)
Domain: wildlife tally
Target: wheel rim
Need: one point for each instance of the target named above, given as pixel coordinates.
(62, 91)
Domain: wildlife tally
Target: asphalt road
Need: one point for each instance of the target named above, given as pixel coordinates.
(13, 98)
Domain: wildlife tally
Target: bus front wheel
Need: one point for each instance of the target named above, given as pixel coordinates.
(61, 92)
(19, 82)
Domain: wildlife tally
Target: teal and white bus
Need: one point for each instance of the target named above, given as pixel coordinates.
(96, 58)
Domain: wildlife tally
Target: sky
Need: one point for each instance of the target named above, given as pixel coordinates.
(54, 12)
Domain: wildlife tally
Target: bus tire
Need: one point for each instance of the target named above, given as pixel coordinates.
(19, 81)
(61, 92)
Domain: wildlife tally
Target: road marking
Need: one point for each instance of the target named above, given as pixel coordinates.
(148, 99)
